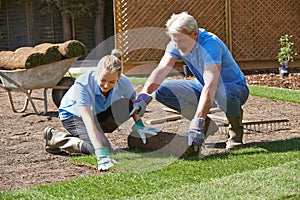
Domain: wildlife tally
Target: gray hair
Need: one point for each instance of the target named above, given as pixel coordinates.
(110, 63)
(181, 21)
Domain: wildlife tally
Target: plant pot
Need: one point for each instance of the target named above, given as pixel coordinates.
(283, 70)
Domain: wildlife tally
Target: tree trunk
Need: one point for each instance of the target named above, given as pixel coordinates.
(67, 26)
(99, 24)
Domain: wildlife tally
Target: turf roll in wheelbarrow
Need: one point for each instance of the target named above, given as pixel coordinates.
(72, 48)
(50, 52)
(45, 77)
(22, 58)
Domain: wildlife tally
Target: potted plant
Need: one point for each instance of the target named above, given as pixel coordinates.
(286, 54)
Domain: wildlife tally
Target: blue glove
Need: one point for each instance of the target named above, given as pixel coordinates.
(142, 130)
(104, 161)
(139, 106)
(195, 134)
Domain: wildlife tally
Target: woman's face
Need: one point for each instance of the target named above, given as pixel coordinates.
(108, 80)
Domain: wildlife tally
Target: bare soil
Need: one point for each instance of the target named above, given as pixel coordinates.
(25, 163)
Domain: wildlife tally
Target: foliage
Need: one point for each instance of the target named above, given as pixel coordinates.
(286, 52)
(74, 7)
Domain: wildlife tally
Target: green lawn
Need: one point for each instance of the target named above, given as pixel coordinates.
(266, 171)
(285, 95)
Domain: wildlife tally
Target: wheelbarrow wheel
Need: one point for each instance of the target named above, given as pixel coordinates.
(57, 94)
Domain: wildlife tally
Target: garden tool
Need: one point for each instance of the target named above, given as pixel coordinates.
(235, 132)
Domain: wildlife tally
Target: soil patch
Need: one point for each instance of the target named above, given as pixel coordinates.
(24, 162)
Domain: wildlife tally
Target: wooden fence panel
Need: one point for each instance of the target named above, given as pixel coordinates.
(137, 14)
(258, 24)
(251, 29)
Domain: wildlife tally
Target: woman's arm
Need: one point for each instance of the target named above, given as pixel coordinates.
(88, 119)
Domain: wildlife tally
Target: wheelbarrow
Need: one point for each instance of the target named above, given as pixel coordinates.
(48, 76)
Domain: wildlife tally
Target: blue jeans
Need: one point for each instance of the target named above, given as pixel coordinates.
(183, 96)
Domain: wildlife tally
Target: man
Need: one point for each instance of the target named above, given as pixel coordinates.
(219, 80)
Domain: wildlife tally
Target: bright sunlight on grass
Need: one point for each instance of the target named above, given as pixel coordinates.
(267, 171)
(285, 95)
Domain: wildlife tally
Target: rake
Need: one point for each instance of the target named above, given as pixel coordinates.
(259, 126)
(250, 126)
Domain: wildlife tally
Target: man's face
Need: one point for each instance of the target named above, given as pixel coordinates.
(108, 80)
(184, 42)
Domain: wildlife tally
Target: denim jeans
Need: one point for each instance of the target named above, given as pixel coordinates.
(183, 96)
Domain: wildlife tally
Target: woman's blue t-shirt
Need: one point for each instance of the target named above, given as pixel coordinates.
(86, 92)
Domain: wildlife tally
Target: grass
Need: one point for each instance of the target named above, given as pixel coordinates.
(267, 171)
(285, 95)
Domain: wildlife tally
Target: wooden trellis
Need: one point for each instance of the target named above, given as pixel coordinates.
(251, 29)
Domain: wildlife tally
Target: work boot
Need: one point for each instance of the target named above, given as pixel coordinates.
(54, 140)
(73, 145)
(235, 139)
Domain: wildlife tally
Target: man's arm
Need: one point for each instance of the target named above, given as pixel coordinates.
(159, 74)
(211, 77)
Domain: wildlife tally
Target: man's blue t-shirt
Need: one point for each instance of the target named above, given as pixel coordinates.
(209, 49)
(86, 92)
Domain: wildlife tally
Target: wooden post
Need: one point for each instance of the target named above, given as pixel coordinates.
(29, 19)
(67, 26)
(228, 24)
(99, 22)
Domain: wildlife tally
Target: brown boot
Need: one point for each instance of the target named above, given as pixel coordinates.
(55, 139)
(235, 139)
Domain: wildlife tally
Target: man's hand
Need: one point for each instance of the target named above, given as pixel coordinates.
(142, 130)
(195, 134)
(104, 161)
(139, 106)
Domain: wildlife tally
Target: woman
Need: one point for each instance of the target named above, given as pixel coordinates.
(97, 103)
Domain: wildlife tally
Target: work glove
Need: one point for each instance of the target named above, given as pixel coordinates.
(104, 161)
(142, 130)
(139, 106)
(195, 133)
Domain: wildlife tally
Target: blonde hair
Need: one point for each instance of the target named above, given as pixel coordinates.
(181, 21)
(116, 53)
(109, 62)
